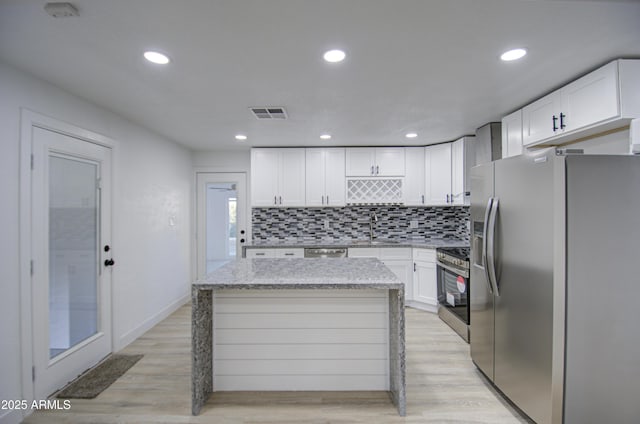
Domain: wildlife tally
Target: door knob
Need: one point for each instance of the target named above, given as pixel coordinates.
(109, 262)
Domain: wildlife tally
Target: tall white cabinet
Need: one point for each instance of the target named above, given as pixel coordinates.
(438, 174)
(277, 177)
(325, 177)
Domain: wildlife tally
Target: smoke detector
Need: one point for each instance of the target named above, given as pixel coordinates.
(269, 112)
(61, 10)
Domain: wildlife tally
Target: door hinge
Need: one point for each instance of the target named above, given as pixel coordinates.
(98, 183)
(33, 373)
(31, 267)
(32, 160)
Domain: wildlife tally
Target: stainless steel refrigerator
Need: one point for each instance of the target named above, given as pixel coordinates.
(556, 283)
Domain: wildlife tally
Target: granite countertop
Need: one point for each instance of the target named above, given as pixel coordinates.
(299, 273)
(332, 244)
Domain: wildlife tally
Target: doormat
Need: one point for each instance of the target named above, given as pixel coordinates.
(93, 382)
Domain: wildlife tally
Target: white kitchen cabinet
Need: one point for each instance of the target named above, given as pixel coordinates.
(325, 177)
(438, 174)
(462, 158)
(397, 259)
(375, 162)
(414, 179)
(512, 134)
(604, 99)
(425, 290)
(257, 252)
(277, 177)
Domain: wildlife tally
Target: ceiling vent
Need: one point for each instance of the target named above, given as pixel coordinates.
(269, 112)
(61, 10)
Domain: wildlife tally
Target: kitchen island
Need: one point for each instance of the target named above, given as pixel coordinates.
(298, 324)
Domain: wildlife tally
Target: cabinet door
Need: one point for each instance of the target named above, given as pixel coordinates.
(390, 162)
(438, 173)
(413, 188)
(591, 99)
(334, 177)
(315, 177)
(425, 283)
(457, 172)
(360, 161)
(264, 177)
(260, 253)
(403, 270)
(512, 134)
(537, 119)
(292, 178)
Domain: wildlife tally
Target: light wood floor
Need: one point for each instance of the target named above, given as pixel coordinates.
(443, 386)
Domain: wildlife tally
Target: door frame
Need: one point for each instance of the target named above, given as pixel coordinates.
(196, 245)
(28, 120)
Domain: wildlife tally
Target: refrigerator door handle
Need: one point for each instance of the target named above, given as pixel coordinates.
(491, 246)
(484, 244)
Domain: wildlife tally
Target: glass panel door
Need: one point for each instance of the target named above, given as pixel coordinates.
(73, 252)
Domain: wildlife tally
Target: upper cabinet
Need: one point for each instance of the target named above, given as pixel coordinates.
(512, 134)
(325, 177)
(277, 177)
(606, 98)
(414, 179)
(375, 162)
(438, 174)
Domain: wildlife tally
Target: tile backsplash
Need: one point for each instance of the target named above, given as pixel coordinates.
(352, 223)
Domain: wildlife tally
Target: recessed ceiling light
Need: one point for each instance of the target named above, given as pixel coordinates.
(411, 135)
(241, 137)
(156, 57)
(325, 136)
(514, 54)
(334, 56)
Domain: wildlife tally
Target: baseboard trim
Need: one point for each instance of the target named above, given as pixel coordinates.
(422, 306)
(132, 335)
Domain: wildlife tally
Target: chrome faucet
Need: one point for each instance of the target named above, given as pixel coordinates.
(372, 218)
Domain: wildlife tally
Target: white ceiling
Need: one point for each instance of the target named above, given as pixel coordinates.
(429, 66)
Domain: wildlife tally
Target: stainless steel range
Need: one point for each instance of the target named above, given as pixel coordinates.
(453, 288)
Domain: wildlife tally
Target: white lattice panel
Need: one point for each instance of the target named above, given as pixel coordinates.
(374, 191)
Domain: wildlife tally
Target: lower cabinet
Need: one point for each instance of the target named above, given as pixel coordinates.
(425, 290)
(397, 259)
(274, 253)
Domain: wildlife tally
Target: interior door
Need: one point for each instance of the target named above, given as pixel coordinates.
(70, 281)
(221, 219)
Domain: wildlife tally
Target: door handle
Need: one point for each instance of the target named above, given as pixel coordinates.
(491, 246)
(485, 232)
(109, 262)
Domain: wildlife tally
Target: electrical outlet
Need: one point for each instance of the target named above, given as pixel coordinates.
(413, 224)
(326, 224)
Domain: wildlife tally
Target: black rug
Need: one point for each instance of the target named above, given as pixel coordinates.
(93, 382)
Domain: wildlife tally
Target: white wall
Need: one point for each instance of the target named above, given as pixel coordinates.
(224, 161)
(152, 182)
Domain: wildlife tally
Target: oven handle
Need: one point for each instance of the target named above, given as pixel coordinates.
(464, 273)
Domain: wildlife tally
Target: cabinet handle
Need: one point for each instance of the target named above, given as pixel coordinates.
(259, 254)
(288, 254)
(423, 199)
(275, 200)
(323, 200)
(377, 169)
(414, 267)
(280, 199)
(371, 169)
(327, 200)
(447, 198)
(562, 116)
(555, 119)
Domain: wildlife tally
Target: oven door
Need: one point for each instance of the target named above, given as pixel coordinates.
(453, 290)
